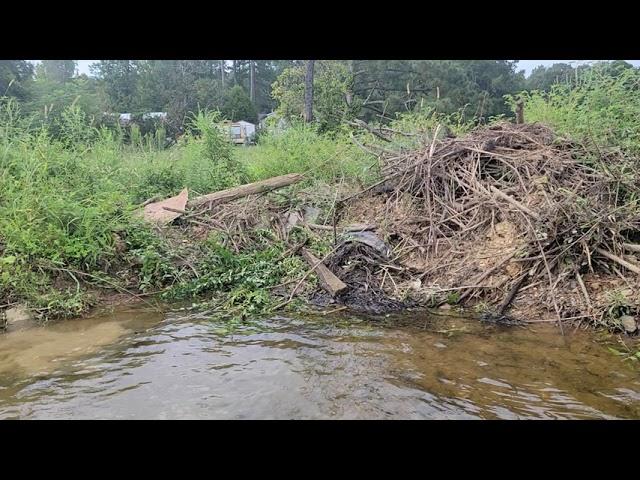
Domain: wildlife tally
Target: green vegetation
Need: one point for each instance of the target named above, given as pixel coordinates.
(65, 201)
(333, 104)
(302, 148)
(626, 354)
(374, 91)
(593, 106)
(72, 177)
(241, 279)
(67, 208)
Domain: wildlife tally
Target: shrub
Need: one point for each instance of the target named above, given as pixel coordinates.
(302, 149)
(597, 108)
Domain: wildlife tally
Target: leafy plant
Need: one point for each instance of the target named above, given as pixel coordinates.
(597, 107)
(302, 149)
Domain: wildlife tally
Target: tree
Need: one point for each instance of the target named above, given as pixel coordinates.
(237, 105)
(252, 89)
(542, 78)
(614, 68)
(332, 81)
(308, 92)
(478, 86)
(60, 71)
(49, 99)
(119, 80)
(256, 76)
(266, 72)
(180, 87)
(15, 76)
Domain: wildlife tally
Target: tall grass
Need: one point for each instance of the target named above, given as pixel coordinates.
(65, 201)
(597, 108)
(301, 149)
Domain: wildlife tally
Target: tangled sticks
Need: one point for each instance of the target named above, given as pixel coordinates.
(511, 209)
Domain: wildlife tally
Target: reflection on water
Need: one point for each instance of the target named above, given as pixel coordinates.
(137, 364)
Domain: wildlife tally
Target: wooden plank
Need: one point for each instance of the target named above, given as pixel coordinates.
(167, 210)
(328, 281)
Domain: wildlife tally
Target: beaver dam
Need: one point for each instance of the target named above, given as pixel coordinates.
(510, 219)
(510, 222)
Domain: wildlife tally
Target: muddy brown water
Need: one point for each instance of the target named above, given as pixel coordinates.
(136, 364)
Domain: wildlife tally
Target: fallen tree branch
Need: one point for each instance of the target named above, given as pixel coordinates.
(514, 202)
(584, 290)
(349, 228)
(512, 293)
(304, 277)
(615, 258)
(151, 200)
(176, 210)
(361, 124)
(316, 226)
(231, 194)
(632, 247)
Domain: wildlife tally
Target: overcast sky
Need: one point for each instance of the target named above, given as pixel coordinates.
(526, 65)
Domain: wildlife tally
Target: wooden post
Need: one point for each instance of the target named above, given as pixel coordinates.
(520, 112)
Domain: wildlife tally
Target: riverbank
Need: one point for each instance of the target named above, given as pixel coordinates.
(69, 230)
(511, 222)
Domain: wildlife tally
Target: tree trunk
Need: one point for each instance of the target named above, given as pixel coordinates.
(349, 94)
(252, 88)
(235, 72)
(222, 72)
(231, 194)
(308, 92)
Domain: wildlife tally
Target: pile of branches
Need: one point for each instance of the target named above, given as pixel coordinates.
(239, 224)
(567, 212)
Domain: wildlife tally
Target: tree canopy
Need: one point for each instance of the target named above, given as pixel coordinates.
(345, 90)
(15, 76)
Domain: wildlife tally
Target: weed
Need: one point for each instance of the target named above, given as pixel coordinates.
(596, 108)
(301, 149)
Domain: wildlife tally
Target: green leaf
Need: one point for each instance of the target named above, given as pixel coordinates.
(8, 260)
